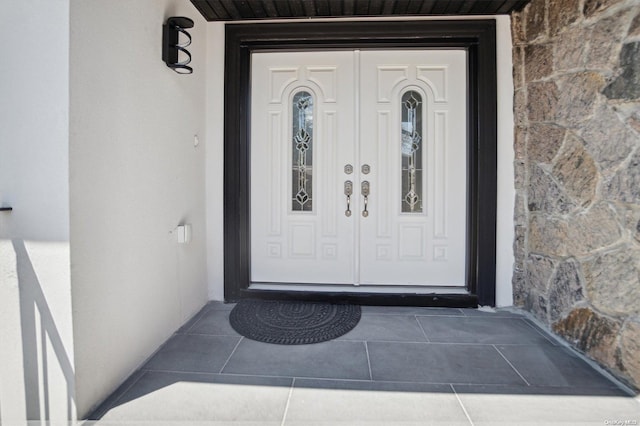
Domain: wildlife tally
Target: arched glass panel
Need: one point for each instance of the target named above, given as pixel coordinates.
(412, 131)
(302, 173)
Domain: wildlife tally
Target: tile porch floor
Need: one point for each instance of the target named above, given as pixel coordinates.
(399, 366)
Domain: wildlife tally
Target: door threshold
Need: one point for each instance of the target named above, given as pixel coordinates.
(459, 299)
(363, 288)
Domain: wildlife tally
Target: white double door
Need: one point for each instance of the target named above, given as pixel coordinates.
(388, 127)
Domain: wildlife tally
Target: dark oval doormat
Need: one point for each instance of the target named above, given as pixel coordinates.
(287, 322)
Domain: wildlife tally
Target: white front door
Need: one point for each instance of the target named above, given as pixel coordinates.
(390, 125)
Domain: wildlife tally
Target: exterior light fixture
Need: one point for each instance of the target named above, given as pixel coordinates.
(174, 53)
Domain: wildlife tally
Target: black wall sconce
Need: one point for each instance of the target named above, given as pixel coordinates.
(171, 46)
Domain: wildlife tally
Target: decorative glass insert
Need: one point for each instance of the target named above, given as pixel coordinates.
(302, 173)
(411, 145)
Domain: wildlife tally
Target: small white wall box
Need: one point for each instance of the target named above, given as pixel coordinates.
(184, 234)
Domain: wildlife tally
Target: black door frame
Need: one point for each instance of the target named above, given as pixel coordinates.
(478, 37)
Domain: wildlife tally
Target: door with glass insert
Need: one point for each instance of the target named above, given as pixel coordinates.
(358, 168)
(415, 144)
(302, 135)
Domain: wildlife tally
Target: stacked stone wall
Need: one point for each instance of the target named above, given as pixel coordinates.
(577, 144)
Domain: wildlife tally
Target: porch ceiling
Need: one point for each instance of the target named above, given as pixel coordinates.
(237, 10)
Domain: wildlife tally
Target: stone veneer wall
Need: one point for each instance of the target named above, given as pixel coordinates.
(577, 144)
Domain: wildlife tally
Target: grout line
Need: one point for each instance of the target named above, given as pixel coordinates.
(441, 316)
(461, 404)
(386, 341)
(366, 348)
(232, 352)
(333, 379)
(337, 379)
(211, 373)
(286, 407)
(196, 319)
(553, 343)
(439, 343)
(220, 306)
(512, 366)
(425, 314)
(424, 333)
(495, 316)
(404, 382)
(215, 335)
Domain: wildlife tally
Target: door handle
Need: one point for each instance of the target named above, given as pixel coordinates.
(364, 189)
(348, 190)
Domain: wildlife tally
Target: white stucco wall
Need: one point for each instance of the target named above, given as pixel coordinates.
(36, 342)
(506, 188)
(135, 175)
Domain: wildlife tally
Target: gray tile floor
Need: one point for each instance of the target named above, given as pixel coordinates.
(399, 366)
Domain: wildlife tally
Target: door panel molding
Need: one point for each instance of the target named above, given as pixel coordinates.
(476, 36)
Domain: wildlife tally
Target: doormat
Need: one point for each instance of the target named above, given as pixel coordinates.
(288, 322)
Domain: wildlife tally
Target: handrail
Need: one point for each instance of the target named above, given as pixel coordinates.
(6, 209)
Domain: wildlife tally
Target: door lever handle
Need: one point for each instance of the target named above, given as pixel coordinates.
(364, 188)
(348, 190)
